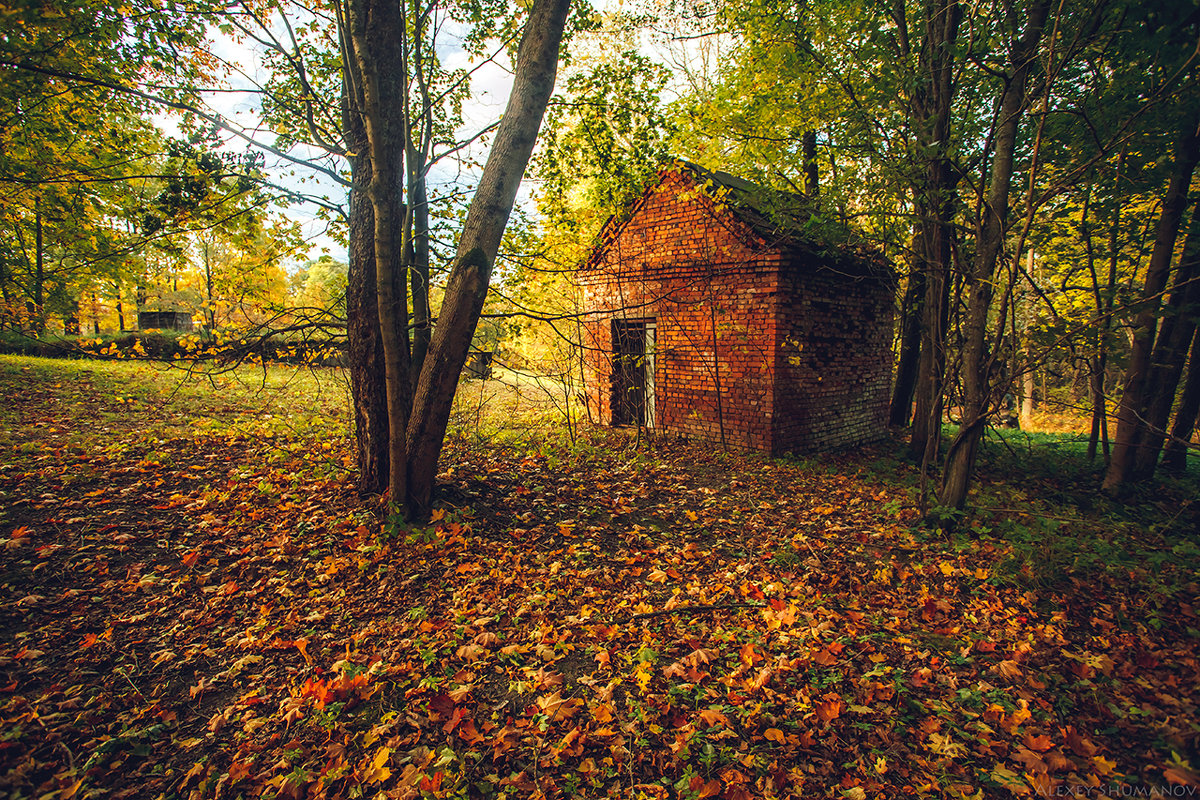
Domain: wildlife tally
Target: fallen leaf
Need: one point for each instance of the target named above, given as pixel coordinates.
(375, 769)
(830, 708)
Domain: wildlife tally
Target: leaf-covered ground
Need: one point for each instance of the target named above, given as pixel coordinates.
(208, 610)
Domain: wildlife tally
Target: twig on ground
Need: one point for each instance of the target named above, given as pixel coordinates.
(685, 609)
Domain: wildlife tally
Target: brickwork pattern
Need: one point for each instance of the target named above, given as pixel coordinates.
(742, 329)
(833, 366)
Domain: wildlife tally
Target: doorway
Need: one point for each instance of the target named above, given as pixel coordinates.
(633, 371)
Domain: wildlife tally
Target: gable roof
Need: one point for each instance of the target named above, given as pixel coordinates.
(772, 218)
(779, 218)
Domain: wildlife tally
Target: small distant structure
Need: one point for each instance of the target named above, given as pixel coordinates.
(713, 311)
(479, 364)
(166, 320)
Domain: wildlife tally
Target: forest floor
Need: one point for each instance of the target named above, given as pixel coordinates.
(194, 603)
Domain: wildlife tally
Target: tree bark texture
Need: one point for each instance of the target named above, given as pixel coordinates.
(1174, 460)
(1025, 415)
(487, 217)
(419, 265)
(368, 391)
(364, 348)
(377, 30)
(900, 410)
(993, 225)
(934, 202)
(1132, 413)
(1170, 351)
(926, 436)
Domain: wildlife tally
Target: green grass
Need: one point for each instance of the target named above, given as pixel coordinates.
(1038, 496)
(124, 401)
(129, 401)
(517, 409)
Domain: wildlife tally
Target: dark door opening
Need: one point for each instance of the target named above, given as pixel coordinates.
(633, 372)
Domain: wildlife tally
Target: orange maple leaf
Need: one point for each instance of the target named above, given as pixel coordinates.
(749, 655)
(830, 708)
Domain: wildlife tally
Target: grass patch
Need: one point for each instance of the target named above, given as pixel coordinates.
(1038, 498)
(120, 403)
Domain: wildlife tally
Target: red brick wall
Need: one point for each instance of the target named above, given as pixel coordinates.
(694, 269)
(716, 293)
(834, 363)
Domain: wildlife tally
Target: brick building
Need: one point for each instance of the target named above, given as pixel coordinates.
(713, 314)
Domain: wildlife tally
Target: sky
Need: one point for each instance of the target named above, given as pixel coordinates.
(490, 85)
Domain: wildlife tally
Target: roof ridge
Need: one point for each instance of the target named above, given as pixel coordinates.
(772, 217)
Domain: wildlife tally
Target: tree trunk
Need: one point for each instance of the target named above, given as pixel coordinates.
(811, 173)
(1104, 306)
(1025, 415)
(39, 272)
(1170, 351)
(6, 282)
(1174, 460)
(368, 391)
(1025, 410)
(466, 289)
(935, 208)
(926, 436)
(377, 29)
(210, 311)
(415, 229)
(1099, 428)
(910, 346)
(993, 225)
(419, 264)
(364, 349)
(1135, 399)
